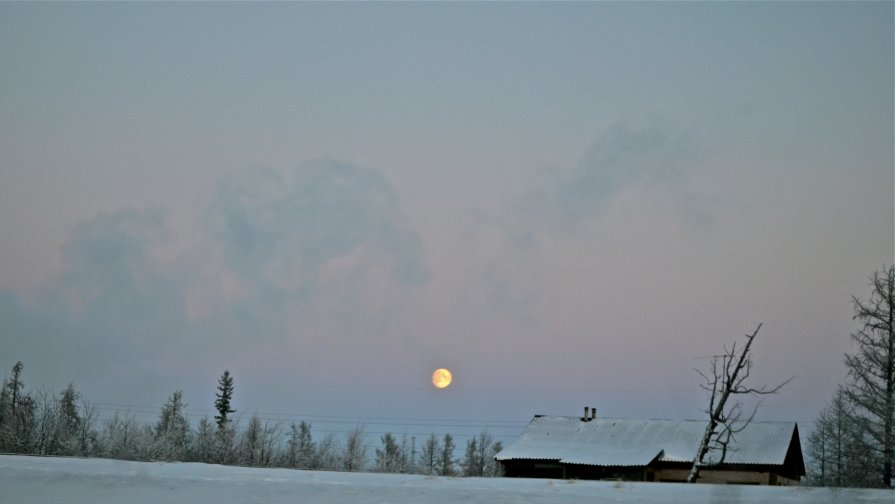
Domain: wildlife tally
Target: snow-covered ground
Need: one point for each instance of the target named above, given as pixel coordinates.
(38, 480)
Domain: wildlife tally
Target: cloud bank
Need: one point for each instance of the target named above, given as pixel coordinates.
(283, 264)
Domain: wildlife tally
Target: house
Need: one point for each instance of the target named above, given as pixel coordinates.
(764, 453)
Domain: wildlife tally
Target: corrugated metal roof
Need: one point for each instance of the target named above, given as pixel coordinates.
(633, 442)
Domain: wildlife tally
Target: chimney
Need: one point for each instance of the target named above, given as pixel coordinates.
(586, 412)
(593, 413)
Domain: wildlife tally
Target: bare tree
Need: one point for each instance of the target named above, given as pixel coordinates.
(728, 376)
(872, 369)
(271, 440)
(837, 455)
(325, 456)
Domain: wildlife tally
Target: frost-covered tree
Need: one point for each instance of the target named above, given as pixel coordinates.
(493, 468)
(119, 437)
(299, 446)
(430, 456)
(258, 443)
(304, 445)
(58, 423)
(88, 435)
(871, 370)
(354, 458)
(479, 457)
(15, 387)
(225, 448)
(471, 463)
(46, 423)
(172, 431)
(405, 456)
(390, 458)
(204, 445)
(446, 456)
(326, 455)
(17, 415)
(5, 404)
(69, 419)
(252, 442)
(271, 437)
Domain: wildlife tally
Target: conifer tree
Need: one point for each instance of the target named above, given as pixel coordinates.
(470, 460)
(430, 455)
(446, 457)
(871, 371)
(388, 458)
(224, 396)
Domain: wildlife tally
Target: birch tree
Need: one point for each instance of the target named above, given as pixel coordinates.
(172, 431)
(725, 381)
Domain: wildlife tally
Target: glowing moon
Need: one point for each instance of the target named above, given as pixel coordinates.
(441, 378)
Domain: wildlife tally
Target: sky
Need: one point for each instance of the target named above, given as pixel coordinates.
(566, 204)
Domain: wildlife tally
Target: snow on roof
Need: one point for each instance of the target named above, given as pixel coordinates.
(635, 442)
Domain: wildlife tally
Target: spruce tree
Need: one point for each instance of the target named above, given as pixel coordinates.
(446, 462)
(431, 455)
(470, 460)
(224, 396)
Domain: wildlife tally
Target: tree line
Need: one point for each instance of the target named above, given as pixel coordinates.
(42, 423)
(853, 441)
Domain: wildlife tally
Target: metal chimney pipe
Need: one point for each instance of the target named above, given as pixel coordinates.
(593, 413)
(586, 413)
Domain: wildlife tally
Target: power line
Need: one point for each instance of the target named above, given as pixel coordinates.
(327, 419)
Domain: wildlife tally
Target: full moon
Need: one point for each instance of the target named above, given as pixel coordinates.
(441, 378)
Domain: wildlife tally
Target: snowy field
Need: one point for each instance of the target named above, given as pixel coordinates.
(39, 480)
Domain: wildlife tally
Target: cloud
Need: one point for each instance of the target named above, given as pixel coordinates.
(281, 259)
(115, 305)
(282, 230)
(651, 160)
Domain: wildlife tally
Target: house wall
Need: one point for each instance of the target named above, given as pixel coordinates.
(726, 477)
(556, 470)
(533, 469)
(552, 469)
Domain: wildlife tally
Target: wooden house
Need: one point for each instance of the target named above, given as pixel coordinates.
(764, 453)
